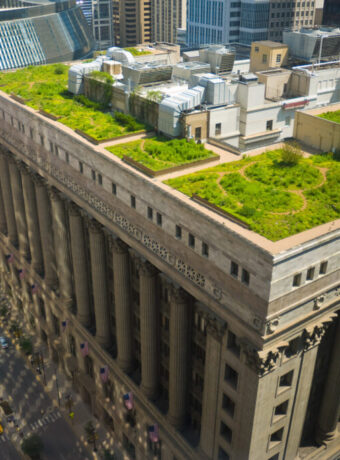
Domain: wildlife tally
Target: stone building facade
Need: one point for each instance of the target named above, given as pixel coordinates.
(225, 339)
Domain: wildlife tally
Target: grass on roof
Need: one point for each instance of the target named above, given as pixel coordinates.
(45, 87)
(159, 153)
(136, 52)
(276, 200)
(331, 116)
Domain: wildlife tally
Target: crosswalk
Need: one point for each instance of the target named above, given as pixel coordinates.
(45, 420)
(4, 437)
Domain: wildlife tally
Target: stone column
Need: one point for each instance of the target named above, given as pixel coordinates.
(61, 247)
(19, 208)
(178, 372)
(99, 285)
(122, 289)
(330, 406)
(149, 330)
(46, 233)
(8, 201)
(211, 388)
(32, 221)
(3, 223)
(80, 270)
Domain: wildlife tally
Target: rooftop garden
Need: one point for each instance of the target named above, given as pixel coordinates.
(45, 88)
(331, 116)
(275, 195)
(137, 52)
(159, 153)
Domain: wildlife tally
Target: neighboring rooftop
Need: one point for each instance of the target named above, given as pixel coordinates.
(270, 44)
(331, 116)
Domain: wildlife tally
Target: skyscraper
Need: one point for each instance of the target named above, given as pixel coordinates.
(167, 17)
(245, 21)
(331, 12)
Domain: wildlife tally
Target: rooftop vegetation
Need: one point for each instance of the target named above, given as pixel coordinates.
(137, 52)
(159, 153)
(45, 87)
(275, 197)
(331, 116)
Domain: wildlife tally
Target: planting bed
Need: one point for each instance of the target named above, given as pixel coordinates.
(331, 116)
(275, 199)
(45, 88)
(158, 153)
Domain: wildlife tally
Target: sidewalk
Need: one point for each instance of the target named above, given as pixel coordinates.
(55, 380)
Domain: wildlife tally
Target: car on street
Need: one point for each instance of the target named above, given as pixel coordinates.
(3, 342)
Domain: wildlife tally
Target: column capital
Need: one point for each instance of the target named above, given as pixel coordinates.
(178, 295)
(216, 327)
(261, 361)
(146, 269)
(118, 246)
(73, 209)
(94, 226)
(54, 194)
(312, 336)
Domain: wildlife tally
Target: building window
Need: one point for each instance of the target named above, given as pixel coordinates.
(191, 240)
(276, 437)
(93, 174)
(323, 268)
(278, 58)
(67, 157)
(100, 179)
(228, 405)
(198, 133)
(234, 269)
(232, 344)
(310, 273)
(218, 129)
(150, 213)
(31, 133)
(72, 344)
(269, 125)
(256, 49)
(226, 432)
(159, 219)
(81, 167)
(297, 279)
(222, 454)
(286, 380)
(231, 376)
(41, 139)
(245, 276)
(178, 232)
(274, 457)
(56, 150)
(51, 147)
(114, 189)
(264, 58)
(281, 409)
(205, 249)
(133, 201)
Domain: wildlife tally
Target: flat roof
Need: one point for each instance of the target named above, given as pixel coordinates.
(271, 44)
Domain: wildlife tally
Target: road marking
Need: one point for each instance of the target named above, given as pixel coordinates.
(40, 422)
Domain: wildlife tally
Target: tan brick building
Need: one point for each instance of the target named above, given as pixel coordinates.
(226, 340)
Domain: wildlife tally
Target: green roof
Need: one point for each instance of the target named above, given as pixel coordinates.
(45, 88)
(275, 199)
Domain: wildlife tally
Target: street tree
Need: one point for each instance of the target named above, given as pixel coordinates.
(32, 446)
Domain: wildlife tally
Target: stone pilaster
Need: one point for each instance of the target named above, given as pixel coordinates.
(19, 208)
(149, 329)
(330, 405)
(80, 268)
(123, 315)
(61, 246)
(178, 372)
(99, 284)
(46, 233)
(211, 387)
(3, 223)
(32, 221)
(8, 201)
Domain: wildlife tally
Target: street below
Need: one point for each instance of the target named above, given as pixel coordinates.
(33, 412)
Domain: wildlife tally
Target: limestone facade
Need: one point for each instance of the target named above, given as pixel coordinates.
(228, 349)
